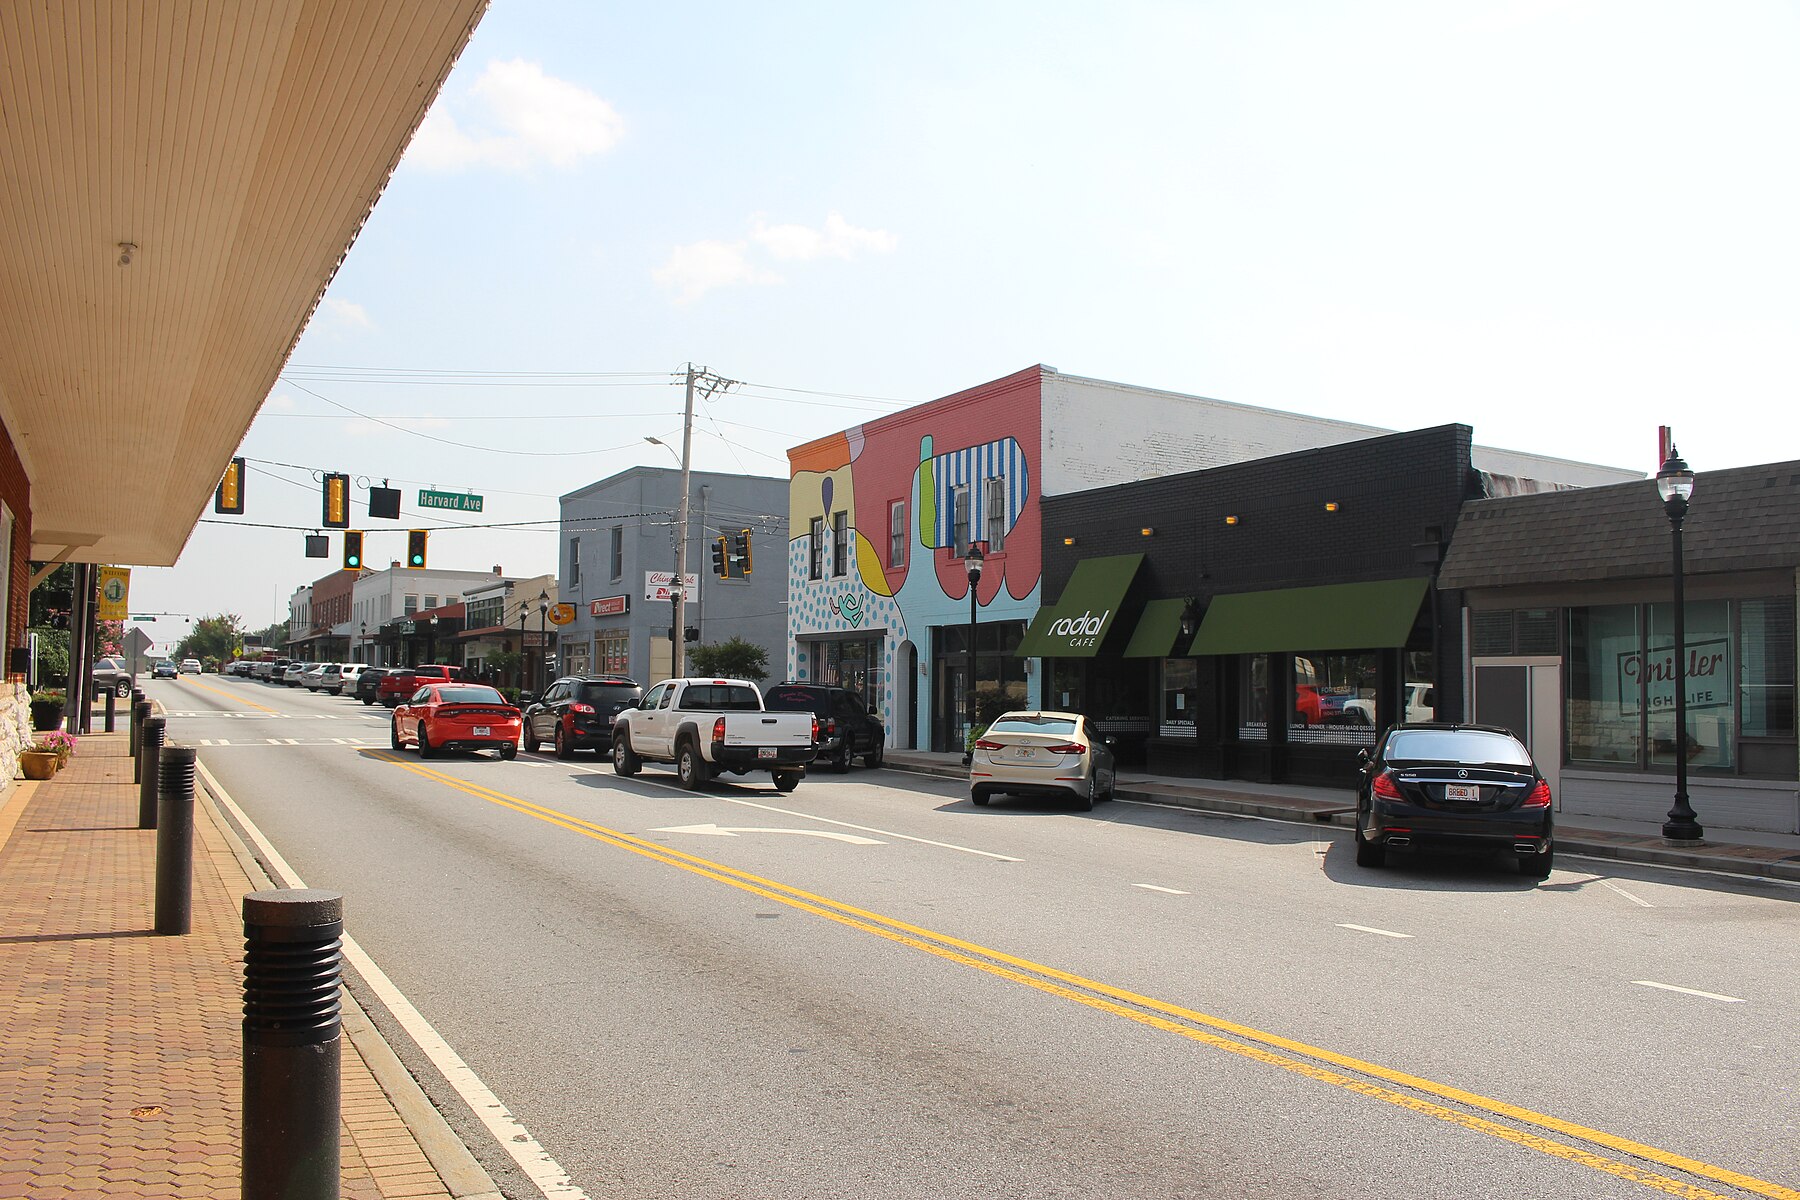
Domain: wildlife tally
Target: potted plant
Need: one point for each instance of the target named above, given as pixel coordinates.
(38, 763)
(58, 743)
(47, 708)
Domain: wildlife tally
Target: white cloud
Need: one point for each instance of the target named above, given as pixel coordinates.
(839, 239)
(520, 117)
(696, 269)
(341, 314)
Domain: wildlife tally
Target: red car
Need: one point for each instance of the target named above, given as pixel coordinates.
(456, 716)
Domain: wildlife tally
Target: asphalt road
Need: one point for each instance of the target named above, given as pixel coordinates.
(870, 988)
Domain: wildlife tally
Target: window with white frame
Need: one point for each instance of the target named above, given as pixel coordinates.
(618, 553)
(840, 543)
(996, 515)
(574, 562)
(817, 549)
(897, 534)
(412, 605)
(959, 518)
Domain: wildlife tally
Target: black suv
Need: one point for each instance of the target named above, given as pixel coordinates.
(368, 684)
(576, 713)
(847, 726)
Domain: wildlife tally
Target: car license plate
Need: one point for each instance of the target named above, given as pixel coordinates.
(765, 752)
(1024, 752)
(1461, 791)
(481, 731)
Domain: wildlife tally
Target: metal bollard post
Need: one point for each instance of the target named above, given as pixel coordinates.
(111, 697)
(175, 840)
(140, 712)
(292, 1044)
(149, 756)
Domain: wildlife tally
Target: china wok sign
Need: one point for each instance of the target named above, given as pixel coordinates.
(1652, 677)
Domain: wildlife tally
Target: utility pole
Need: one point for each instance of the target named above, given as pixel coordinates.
(704, 381)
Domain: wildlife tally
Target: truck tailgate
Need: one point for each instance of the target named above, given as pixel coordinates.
(768, 729)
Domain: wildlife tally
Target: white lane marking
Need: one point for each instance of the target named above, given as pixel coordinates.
(543, 1171)
(1151, 887)
(1669, 987)
(273, 741)
(721, 831)
(788, 812)
(1609, 885)
(1371, 929)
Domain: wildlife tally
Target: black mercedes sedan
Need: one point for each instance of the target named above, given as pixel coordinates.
(1470, 785)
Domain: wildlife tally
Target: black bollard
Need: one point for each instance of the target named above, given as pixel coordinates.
(149, 756)
(140, 712)
(175, 840)
(111, 697)
(292, 1044)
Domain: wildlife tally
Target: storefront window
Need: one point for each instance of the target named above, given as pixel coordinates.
(1180, 696)
(1708, 676)
(1253, 700)
(612, 649)
(1766, 668)
(1334, 698)
(1602, 717)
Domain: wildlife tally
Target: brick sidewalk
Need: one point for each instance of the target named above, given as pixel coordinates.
(120, 1051)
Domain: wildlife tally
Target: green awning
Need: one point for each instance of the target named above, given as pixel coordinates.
(1335, 616)
(1078, 622)
(1156, 630)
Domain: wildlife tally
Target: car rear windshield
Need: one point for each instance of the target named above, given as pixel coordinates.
(1457, 746)
(722, 697)
(797, 700)
(470, 695)
(606, 693)
(1033, 725)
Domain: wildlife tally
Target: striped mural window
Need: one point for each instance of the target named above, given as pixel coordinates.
(996, 515)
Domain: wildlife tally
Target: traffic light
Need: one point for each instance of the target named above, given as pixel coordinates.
(384, 502)
(415, 547)
(318, 546)
(691, 634)
(353, 550)
(721, 567)
(230, 496)
(337, 502)
(740, 551)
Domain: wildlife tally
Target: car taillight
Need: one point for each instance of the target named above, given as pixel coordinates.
(582, 708)
(984, 744)
(1066, 748)
(1540, 796)
(831, 729)
(1383, 785)
(719, 729)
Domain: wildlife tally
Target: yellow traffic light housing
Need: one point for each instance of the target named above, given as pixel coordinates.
(230, 496)
(415, 547)
(353, 550)
(337, 502)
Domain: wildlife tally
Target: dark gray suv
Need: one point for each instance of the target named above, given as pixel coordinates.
(848, 728)
(576, 713)
(112, 675)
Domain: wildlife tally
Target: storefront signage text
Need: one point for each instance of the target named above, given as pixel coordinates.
(1080, 631)
(1708, 677)
(609, 606)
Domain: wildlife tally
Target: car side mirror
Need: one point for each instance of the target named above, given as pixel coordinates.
(527, 697)
(1362, 757)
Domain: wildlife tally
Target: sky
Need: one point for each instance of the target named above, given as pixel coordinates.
(1561, 223)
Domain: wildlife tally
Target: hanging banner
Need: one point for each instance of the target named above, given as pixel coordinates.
(115, 593)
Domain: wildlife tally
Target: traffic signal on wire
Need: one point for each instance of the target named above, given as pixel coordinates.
(353, 559)
(721, 567)
(740, 552)
(230, 496)
(337, 502)
(415, 547)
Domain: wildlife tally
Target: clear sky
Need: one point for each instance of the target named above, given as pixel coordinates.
(1562, 223)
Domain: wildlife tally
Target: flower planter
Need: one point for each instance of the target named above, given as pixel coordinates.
(38, 764)
(46, 715)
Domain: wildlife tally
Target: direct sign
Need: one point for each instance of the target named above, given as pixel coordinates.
(454, 501)
(609, 606)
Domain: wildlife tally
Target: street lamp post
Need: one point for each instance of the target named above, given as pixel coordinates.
(362, 641)
(524, 658)
(1675, 483)
(972, 564)
(543, 637)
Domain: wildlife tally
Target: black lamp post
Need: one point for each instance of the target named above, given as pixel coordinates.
(362, 641)
(524, 657)
(972, 564)
(1675, 483)
(543, 636)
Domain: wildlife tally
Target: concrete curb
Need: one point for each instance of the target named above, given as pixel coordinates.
(1572, 842)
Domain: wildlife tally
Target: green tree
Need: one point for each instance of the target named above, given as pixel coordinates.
(53, 656)
(275, 636)
(216, 638)
(734, 659)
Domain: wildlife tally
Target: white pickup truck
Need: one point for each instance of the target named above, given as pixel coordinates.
(709, 726)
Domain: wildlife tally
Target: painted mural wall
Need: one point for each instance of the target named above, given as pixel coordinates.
(917, 460)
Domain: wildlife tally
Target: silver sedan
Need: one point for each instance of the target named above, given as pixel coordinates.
(1042, 753)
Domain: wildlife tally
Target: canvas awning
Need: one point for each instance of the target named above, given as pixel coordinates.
(1157, 630)
(1078, 622)
(1335, 616)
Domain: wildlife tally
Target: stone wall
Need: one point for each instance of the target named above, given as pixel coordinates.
(15, 730)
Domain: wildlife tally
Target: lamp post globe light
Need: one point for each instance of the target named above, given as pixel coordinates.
(543, 637)
(972, 564)
(1675, 483)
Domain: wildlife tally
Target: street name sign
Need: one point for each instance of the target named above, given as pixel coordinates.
(454, 501)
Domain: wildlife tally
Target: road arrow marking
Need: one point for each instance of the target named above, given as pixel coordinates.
(720, 831)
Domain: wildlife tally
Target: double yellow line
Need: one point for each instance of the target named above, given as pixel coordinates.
(1243, 1040)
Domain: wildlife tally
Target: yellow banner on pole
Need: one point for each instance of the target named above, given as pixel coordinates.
(115, 593)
